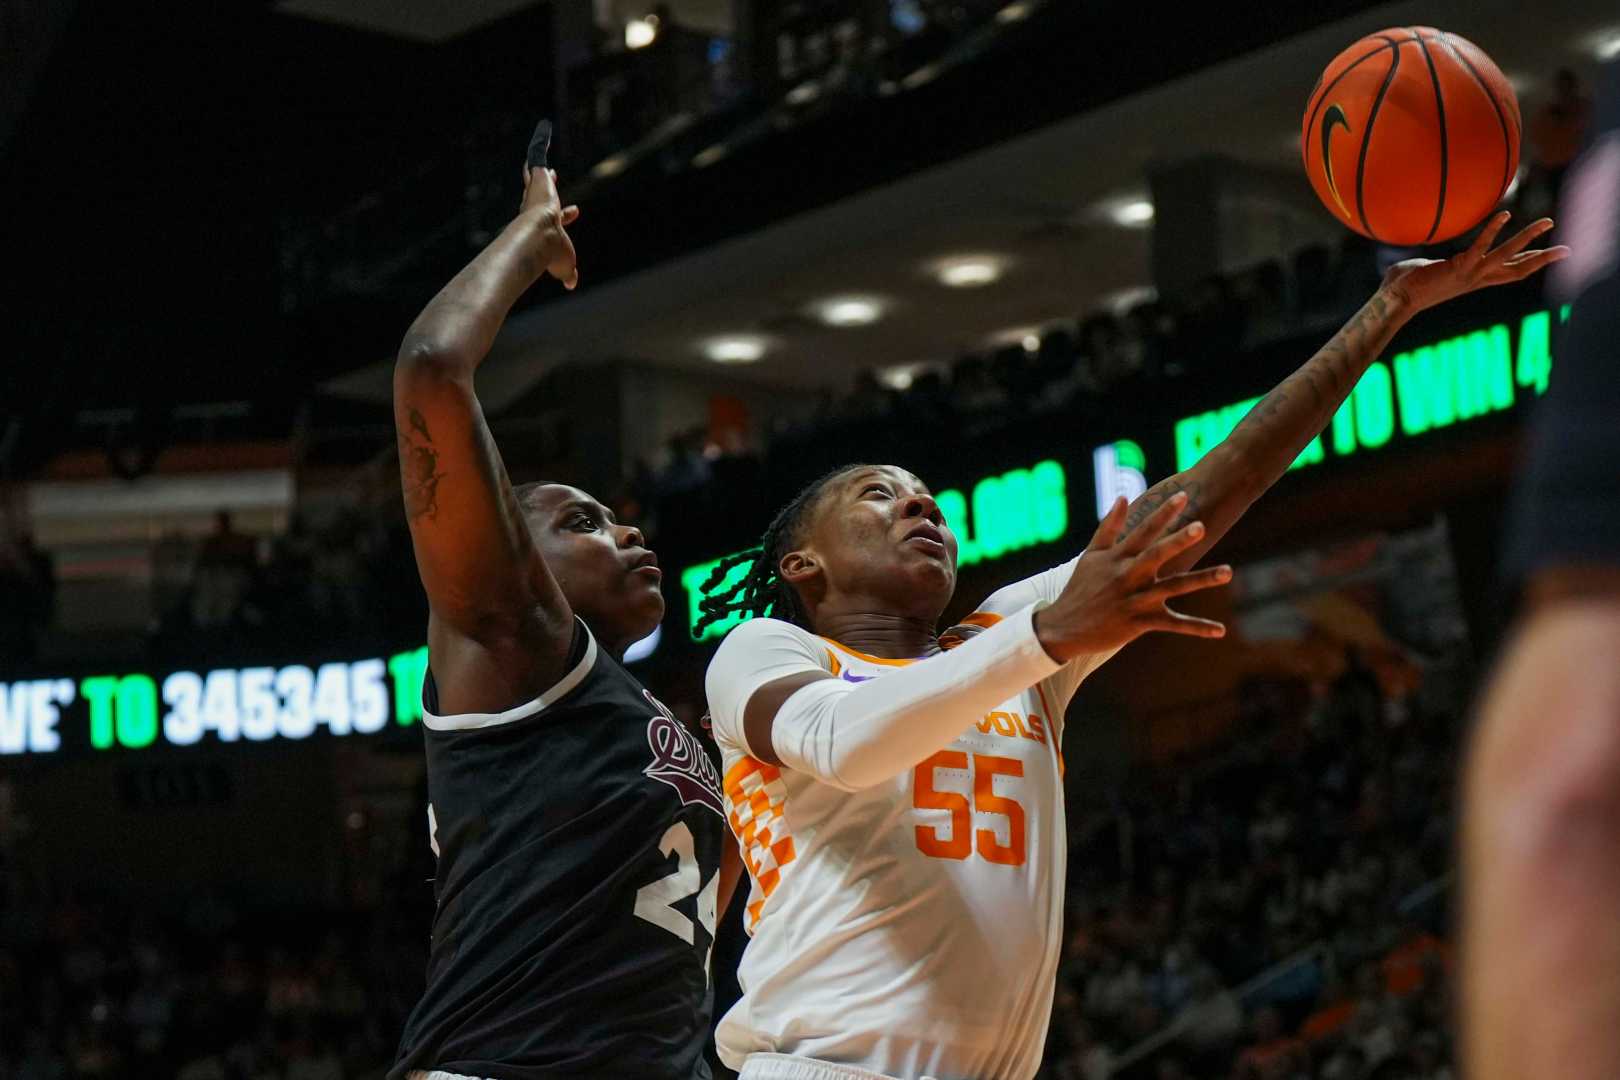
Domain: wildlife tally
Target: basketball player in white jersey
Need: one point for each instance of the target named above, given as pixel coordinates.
(897, 792)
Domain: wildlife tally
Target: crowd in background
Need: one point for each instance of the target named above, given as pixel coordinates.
(1272, 908)
(27, 593)
(1275, 910)
(346, 578)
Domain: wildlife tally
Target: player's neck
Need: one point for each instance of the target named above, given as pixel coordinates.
(890, 637)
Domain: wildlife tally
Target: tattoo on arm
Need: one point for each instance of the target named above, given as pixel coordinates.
(1160, 493)
(419, 469)
(1328, 377)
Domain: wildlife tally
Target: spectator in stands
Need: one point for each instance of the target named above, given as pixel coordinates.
(869, 400)
(224, 571)
(1102, 343)
(28, 581)
(973, 392)
(1557, 132)
(1272, 1052)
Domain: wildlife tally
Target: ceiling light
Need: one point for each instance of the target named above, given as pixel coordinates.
(849, 311)
(715, 153)
(921, 77)
(1015, 337)
(1122, 300)
(899, 378)
(1032, 343)
(1133, 212)
(1014, 12)
(968, 271)
(611, 166)
(804, 93)
(639, 33)
(735, 349)
(1605, 44)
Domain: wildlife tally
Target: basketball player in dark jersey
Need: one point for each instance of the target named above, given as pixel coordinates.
(577, 823)
(1541, 811)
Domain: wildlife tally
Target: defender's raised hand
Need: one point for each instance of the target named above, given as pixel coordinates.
(1117, 593)
(543, 208)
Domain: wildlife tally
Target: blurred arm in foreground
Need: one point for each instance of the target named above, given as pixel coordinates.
(1541, 812)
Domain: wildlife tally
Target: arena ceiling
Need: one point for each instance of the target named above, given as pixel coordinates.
(1041, 202)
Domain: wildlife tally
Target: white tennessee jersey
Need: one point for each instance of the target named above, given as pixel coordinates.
(911, 928)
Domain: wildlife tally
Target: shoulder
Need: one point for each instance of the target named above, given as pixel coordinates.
(768, 636)
(760, 651)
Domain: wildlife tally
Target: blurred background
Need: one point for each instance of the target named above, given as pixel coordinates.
(1041, 252)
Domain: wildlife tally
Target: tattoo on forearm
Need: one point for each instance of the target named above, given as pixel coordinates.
(1160, 493)
(1327, 377)
(419, 424)
(419, 469)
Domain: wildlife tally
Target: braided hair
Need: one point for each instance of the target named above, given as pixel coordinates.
(761, 591)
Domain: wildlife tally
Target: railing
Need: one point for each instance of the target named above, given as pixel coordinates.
(1318, 952)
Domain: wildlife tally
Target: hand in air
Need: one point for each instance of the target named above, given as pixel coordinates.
(1116, 593)
(1427, 282)
(541, 202)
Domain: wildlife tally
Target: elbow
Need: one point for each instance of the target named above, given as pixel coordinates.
(1556, 805)
(1544, 774)
(423, 360)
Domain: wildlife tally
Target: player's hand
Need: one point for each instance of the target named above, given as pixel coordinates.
(1116, 593)
(1423, 283)
(542, 206)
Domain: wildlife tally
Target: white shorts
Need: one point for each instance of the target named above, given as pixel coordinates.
(789, 1067)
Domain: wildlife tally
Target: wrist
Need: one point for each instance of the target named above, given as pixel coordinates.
(1399, 304)
(1041, 622)
(535, 228)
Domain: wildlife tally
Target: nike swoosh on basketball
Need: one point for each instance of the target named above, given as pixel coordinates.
(1333, 115)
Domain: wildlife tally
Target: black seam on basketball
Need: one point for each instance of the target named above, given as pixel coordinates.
(1366, 136)
(1328, 90)
(1440, 108)
(1507, 143)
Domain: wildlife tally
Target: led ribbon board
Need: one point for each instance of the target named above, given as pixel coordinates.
(1003, 514)
(184, 708)
(1432, 388)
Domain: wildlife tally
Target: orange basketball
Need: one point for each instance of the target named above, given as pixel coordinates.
(1411, 136)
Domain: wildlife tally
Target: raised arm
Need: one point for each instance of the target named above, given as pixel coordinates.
(486, 583)
(1227, 480)
(771, 694)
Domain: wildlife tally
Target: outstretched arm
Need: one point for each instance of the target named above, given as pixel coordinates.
(1227, 480)
(486, 584)
(772, 695)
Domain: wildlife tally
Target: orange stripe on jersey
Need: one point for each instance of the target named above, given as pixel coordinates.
(979, 620)
(756, 804)
(832, 658)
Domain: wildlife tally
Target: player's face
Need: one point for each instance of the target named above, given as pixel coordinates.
(605, 570)
(879, 534)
